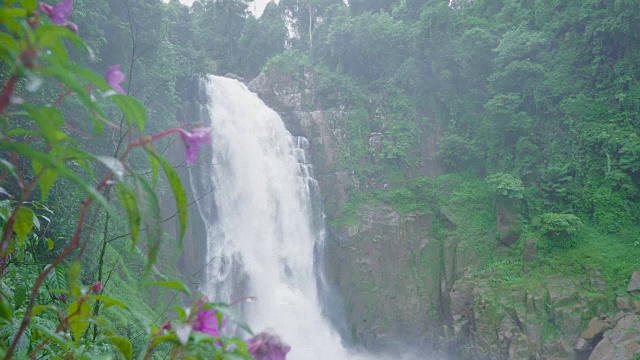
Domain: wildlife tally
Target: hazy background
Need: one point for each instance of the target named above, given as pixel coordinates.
(257, 7)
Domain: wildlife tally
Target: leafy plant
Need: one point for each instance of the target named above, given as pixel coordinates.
(561, 228)
(506, 185)
(41, 314)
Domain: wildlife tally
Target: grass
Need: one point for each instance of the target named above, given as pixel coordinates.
(616, 255)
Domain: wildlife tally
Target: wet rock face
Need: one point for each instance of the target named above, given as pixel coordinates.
(508, 221)
(384, 269)
(621, 342)
(626, 305)
(547, 323)
(280, 92)
(595, 328)
(634, 283)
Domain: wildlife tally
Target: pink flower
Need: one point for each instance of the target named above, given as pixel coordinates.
(265, 346)
(192, 141)
(115, 77)
(59, 13)
(97, 288)
(166, 325)
(207, 322)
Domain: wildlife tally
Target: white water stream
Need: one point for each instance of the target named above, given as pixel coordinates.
(264, 231)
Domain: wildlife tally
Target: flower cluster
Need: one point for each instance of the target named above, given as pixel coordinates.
(114, 78)
(263, 346)
(192, 141)
(59, 13)
(207, 322)
(266, 346)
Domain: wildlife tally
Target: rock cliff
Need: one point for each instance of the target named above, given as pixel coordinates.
(424, 280)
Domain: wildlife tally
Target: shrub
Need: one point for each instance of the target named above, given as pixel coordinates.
(506, 185)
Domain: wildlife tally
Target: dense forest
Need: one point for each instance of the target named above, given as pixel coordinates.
(533, 108)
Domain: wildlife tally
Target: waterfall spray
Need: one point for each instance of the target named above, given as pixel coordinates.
(264, 231)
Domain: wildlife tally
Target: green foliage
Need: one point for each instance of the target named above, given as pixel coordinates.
(542, 96)
(610, 210)
(506, 185)
(458, 153)
(262, 38)
(54, 302)
(553, 224)
(561, 229)
(548, 98)
(367, 36)
(290, 63)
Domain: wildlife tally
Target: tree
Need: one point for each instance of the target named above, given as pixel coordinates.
(262, 39)
(219, 27)
(304, 16)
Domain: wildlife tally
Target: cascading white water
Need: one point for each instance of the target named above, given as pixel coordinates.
(264, 230)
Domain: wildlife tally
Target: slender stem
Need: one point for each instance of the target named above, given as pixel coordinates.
(61, 97)
(152, 346)
(107, 121)
(96, 306)
(9, 88)
(75, 241)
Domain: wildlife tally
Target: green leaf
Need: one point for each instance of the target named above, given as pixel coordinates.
(40, 308)
(65, 74)
(132, 109)
(29, 5)
(19, 296)
(155, 167)
(52, 335)
(9, 17)
(49, 120)
(181, 312)
(10, 168)
(48, 34)
(23, 223)
(78, 318)
(98, 81)
(148, 200)
(5, 209)
(21, 132)
(108, 302)
(75, 270)
(9, 46)
(123, 345)
(172, 338)
(179, 194)
(176, 285)
(56, 165)
(98, 126)
(56, 53)
(46, 180)
(76, 154)
(6, 312)
(50, 244)
(129, 203)
(240, 345)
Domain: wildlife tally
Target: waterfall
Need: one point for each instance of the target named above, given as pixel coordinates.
(265, 229)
